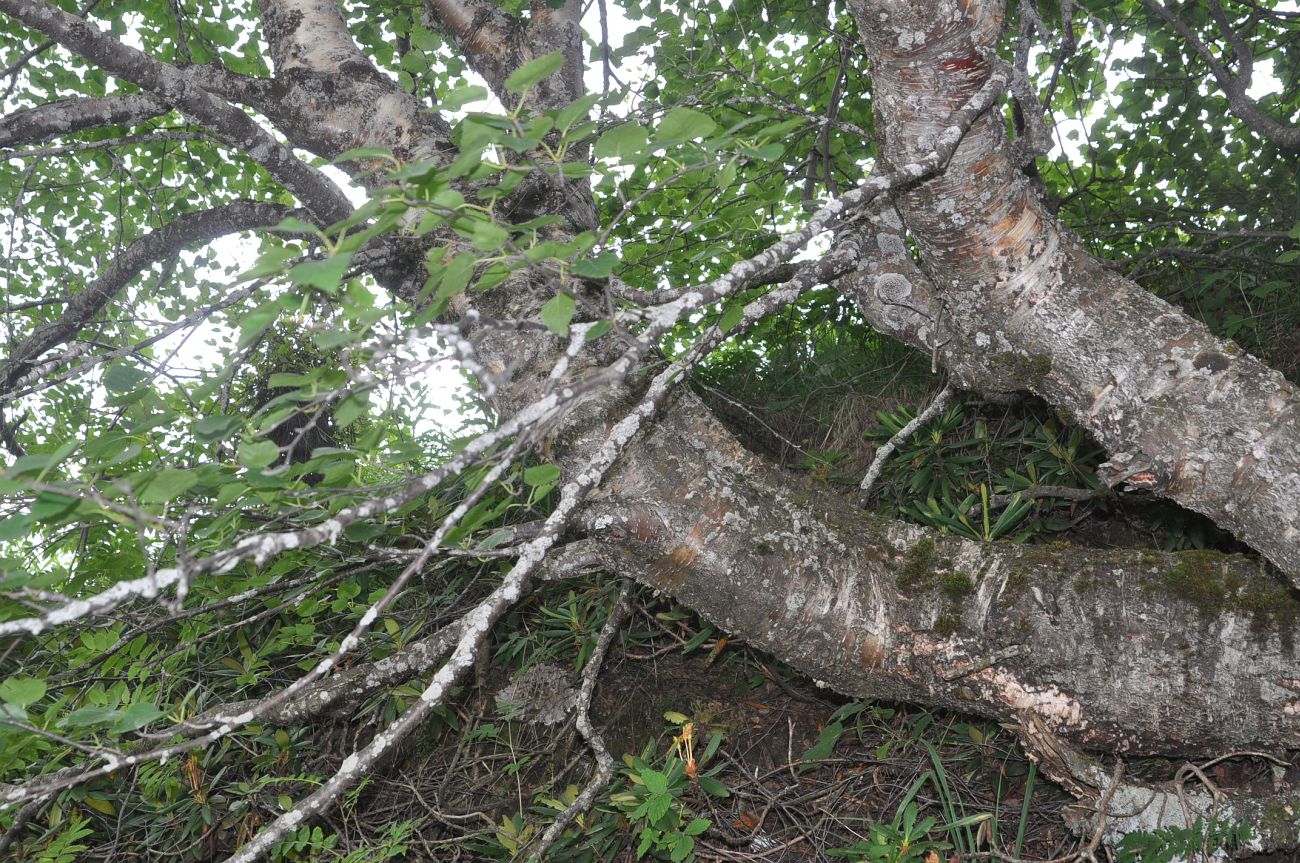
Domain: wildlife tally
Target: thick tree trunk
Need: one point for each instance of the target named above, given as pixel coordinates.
(1181, 413)
(1124, 651)
(1129, 651)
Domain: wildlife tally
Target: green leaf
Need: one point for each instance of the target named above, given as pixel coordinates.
(358, 153)
(32, 463)
(627, 143)
(541, 474)
(253, 323)
(822, 748)
(599, 267)
(216, 427)
(696, 827)
(576, 110)
(657, 807)
(123, 378)
(456, 276)
(100, 804)
(22, 691)
(258, 454)
(493, 275)
(731, 315)
(89, 716)
(323, 274)
(715, 740)
(655, 782)
(350, 409)
(558, 312)
(136, 715)
(426, 40)
(489, 236)
(168, 485)
(51, 506)
(271, 262)
(293, 225)
(362, 531)
(15, 526)
(683, 124)
(462, 96)
(598, 329)
(534, 71)
(726, 176)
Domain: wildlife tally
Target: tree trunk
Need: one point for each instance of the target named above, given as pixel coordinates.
(1123, 651)
(1180, 413)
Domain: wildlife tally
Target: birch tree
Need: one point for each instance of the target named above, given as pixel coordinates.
(580, 256)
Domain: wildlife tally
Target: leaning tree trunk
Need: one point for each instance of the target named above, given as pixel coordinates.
(1181, 413)
(1135, 652)
(1125, 651)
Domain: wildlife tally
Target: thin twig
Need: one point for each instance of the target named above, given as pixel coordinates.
(883, 454)
(604, 761)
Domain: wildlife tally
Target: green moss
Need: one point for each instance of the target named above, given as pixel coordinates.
(918, 567)
(1027, 370)
(1270, 605)
(1199, 578)
(947, 624)
(956, 585)
(763, 547)
(1204, 579)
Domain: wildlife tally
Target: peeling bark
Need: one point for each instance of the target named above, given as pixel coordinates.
(1181, 413)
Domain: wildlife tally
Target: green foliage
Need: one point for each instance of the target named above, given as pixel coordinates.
(653, 801)
(903, 840)
(908, 837)
(1181, 843)
(293, 409)
(308, 845)
(945, 475)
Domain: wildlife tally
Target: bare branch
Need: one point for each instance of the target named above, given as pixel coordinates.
(604, 761)
(413, 660)
(883, 454)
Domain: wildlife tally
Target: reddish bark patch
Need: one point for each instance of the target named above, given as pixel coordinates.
(961, 64)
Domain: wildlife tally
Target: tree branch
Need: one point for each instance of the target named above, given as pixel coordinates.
(1111, 807)
(1234, 85)
(183, 231)
(68, 116)
(1182, 413)
(417, 658)
(325, 200)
